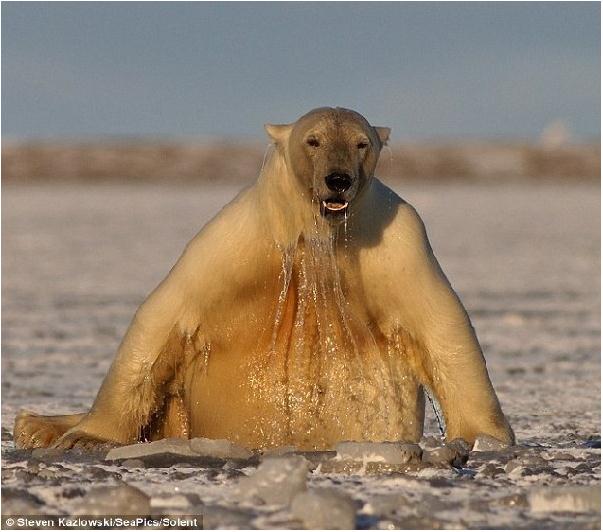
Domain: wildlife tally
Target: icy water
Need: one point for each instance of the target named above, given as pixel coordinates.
(525, 259)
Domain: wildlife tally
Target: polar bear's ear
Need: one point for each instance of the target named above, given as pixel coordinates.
(383, 133)
(279, 133)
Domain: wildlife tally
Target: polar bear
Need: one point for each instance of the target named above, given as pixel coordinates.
(309, 311)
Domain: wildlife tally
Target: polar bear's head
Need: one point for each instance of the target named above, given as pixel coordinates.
(332, 153)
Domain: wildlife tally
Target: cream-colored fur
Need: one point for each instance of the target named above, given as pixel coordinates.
(281, 326)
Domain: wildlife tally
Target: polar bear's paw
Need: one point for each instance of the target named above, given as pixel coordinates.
(81, 440)
(33, 430)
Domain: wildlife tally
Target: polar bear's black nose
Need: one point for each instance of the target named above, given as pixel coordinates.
(338, 182)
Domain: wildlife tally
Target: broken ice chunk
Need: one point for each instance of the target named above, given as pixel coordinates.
(219, 449)
(394, 453)
(277, 480)
(324, 508)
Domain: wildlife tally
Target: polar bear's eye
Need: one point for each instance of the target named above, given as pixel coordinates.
(313, 141)
(362, 144)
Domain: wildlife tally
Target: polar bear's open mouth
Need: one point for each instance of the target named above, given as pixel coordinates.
(334, 206)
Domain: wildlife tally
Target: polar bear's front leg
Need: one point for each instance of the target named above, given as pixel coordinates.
(454, 370)
(140, 377)
(448, 360)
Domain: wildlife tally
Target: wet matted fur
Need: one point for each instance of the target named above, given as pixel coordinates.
(310, 310)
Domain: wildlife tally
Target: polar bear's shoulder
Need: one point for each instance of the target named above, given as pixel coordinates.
(391, 221)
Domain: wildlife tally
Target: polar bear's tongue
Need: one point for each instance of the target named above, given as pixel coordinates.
(335, 205)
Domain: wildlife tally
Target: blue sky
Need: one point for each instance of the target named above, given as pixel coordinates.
(428, 70)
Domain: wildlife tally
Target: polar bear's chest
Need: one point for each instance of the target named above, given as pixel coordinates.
(311, 368)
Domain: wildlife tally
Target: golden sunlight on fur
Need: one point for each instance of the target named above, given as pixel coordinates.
(310, 310)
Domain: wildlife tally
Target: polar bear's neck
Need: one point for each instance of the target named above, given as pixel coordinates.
(287, 208)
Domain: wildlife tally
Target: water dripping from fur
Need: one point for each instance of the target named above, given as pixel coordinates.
(317, 366)
(325, 372)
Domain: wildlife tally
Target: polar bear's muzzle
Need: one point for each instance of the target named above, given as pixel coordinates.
(335, 205)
